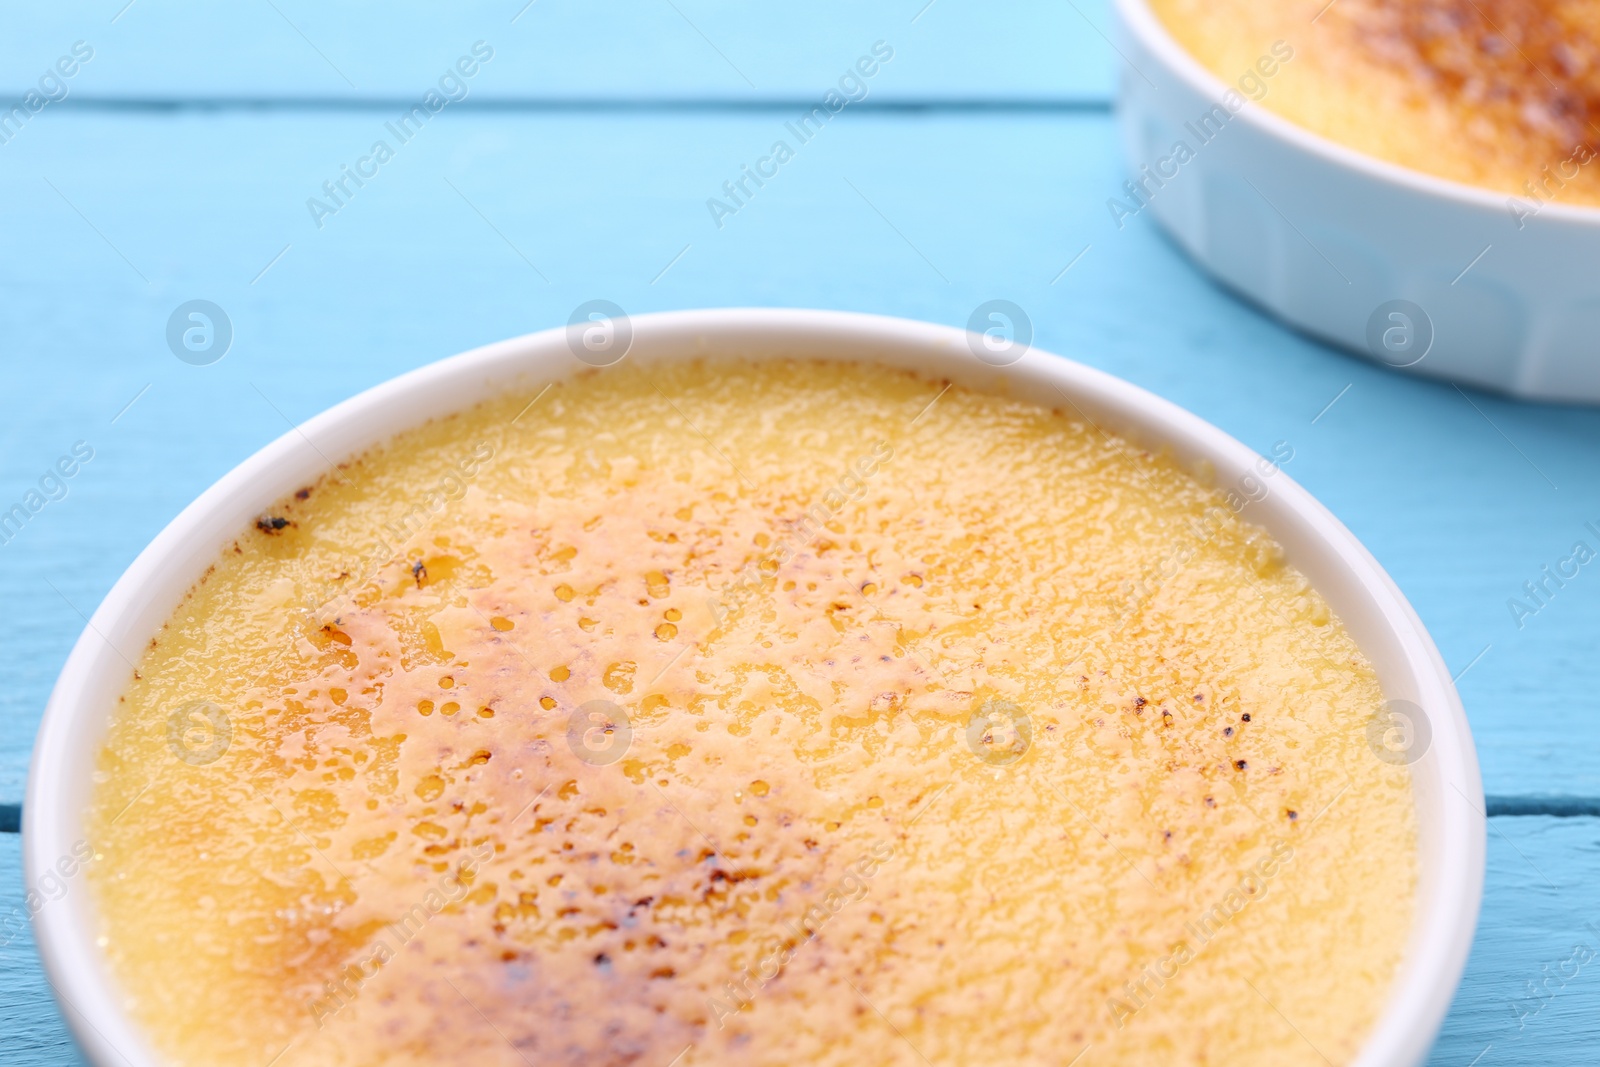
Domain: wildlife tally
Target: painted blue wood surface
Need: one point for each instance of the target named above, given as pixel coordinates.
(32, 1031)
(719, 49)
(487, 225)
(492, 222)
(1528, 996)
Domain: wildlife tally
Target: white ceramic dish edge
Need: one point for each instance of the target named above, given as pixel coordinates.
(1448, 789)
(1321, 235)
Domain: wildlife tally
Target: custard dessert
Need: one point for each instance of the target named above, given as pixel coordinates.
(754, 713)
(1500, 94)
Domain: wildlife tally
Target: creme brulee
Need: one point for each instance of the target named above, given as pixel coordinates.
(1501, 94)
(754, 713)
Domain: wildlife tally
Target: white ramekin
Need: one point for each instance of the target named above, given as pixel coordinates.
(1325, 237)
(1449, 794)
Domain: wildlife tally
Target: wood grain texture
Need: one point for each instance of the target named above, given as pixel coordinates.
(1527, 998)
(717, 49)
(1524, 997)
(489, 225)
(32, 1032)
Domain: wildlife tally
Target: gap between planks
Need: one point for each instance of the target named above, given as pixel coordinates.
(685, 104)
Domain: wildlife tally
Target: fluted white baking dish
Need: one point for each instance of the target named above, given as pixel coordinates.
(1416, 272)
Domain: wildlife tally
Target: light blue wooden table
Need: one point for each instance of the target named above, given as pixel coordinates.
(578, 166)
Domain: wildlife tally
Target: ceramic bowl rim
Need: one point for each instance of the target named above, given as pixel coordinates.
(153, 584)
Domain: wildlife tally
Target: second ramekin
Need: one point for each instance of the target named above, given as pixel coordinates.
(1413, 271)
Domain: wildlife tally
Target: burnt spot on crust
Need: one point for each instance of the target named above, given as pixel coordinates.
(272, 524)
(1533, 61)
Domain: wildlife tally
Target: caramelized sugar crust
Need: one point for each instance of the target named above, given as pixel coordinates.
(755, 714)
(1534, 62)
(1503, 94)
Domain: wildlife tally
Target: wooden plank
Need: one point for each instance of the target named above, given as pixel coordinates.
(1528, 997)
(1538, 908)
(32, 1033)
(489, 225)
(564, 48)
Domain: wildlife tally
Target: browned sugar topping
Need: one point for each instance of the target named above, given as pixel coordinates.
(1534, 62)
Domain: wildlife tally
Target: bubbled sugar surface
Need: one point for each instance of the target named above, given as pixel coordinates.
(764, 712)
(1500, 94)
